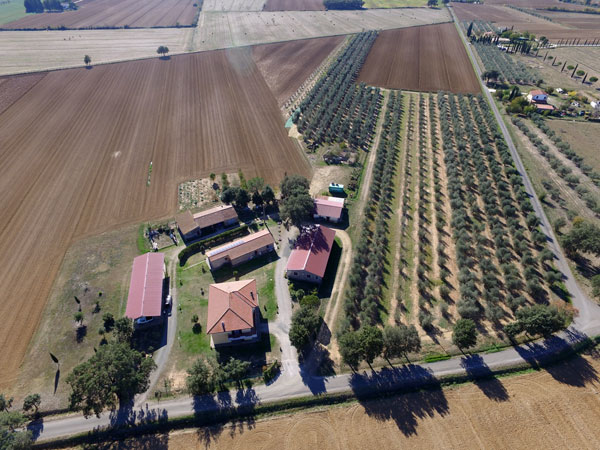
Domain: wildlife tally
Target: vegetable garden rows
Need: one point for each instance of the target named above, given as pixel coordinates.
(468, 241)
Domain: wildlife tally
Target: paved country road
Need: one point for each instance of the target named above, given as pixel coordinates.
(295, 382)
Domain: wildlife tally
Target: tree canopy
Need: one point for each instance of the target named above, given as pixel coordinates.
(464, 334)
(115, 373)
(304, 328)
(296, 203)
(400, 340)
(583, 237)
(535, 320)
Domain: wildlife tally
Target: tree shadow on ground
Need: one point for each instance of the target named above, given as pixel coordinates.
(404, 409)
(482, 376)
(574, 370)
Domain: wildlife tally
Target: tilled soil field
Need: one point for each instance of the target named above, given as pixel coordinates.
(556, 408)
(575, 20)
(75, 154)
(114, 13)
(294, 5)
(13, 87)
(286, 65)
(428, 58)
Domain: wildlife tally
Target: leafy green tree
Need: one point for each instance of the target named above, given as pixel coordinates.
(162, 50)
(400, 340)
(32, 402)
(371, 340)
(540, 319)
(78, 317)
(432, 3)
(87, 60)
(294, 184)
(351, 348)
(257, 198)
(268, 195)
(236, 369)
(5, 403)
(33, 6)
(200, 378)
(596, 285)
(464, 334)
(310, 301)
(255, 184)
(123, 329)
(470, 29)
(10, 438)
(109, 321)
(593, 79)
(583, 237)
(304, 328)
(115, 373)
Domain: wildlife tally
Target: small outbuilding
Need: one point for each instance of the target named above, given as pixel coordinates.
(233, 313)
(309, 257)
(145, 299)
(329, 208)
(241, 250)
(193, 226)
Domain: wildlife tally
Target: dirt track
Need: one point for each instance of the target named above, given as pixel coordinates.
(294, 5)
(114, 13)
(428, 58)
(554, 409)
(287, 65)
(75, 154)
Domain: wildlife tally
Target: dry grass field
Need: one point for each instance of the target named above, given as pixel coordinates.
(114, 13)
(76, 151)
(46, 50)
(429, 58)
(574, 20)
(583, 137)
(285, 66)
(233, 5)
(223, 30)
(27, 51)
(294, 5)
(536, 4)
(587, 57)
(554, 409)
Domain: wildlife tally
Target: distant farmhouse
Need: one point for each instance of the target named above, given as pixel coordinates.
(233, 313)
(329, 208)
(539, 99)
(241, 250)
(206, 222)
(309, 257)
(145, 299)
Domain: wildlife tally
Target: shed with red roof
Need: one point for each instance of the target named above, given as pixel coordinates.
(233, 312)
(145, 297)
(329, 208)
(309, 257)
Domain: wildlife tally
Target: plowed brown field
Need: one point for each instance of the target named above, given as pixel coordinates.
(114, 13)
(75, 152)
(294, 5)
(286, 65)
(428, 58)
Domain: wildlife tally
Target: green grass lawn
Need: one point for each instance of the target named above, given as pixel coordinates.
(394, 3)
(11, 10)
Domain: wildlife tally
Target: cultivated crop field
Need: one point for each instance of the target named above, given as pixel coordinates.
(428, 58)
(285, 66)
(574, 20)
(114, 13)
(76, 153)
(294, 5)
(233, 5)
(552, 409)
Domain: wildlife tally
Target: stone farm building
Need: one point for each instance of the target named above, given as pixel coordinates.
(309, 257)
(241, 250)
(145, 299)
(233, 313)
(192, 226)
(329, 208)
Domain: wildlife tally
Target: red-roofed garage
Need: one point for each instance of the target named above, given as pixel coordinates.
(309, 257)
(145, 300)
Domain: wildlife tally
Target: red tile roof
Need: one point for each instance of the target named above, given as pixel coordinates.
(243, 246)
(329, 207)
(215, 215)
(146, 287)
(537, 92)
(185, 222)
(231, 306)
(312, 251)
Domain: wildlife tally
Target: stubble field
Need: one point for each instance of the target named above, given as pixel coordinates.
(574, 20)
(294, 5)
(75, 154)
(428, 58)
(285, 66)
(114, 13)
(233, 5)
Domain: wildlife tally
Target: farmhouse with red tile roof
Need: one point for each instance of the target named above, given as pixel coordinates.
(309, 258)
